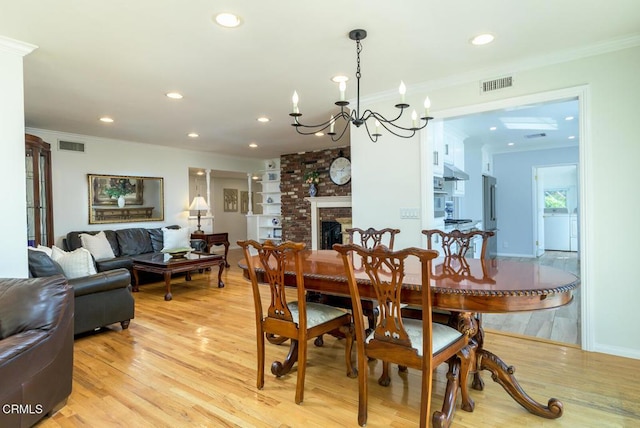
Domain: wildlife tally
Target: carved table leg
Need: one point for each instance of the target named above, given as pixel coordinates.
(471, 325)
(167, 282)
(503, 374)
(281, 369)
(220, 283)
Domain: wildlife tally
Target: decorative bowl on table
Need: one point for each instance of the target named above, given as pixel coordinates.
(177, 253)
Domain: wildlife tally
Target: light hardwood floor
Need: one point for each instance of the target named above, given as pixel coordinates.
(559, 325)
(191, 362)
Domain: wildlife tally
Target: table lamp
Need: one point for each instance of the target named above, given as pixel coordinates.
(198, 204)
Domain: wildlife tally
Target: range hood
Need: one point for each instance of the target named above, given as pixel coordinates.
(453, 173)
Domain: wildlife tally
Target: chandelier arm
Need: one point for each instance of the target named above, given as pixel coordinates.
(320, 126)
(393, 129)
(372, 137)
(346, 126)
(381, 118)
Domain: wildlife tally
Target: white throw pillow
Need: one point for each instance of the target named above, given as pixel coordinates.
(42, 248)
(98, 245)
(76, 263)
(176, 238)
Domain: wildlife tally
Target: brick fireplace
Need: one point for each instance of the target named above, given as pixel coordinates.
(327, 208)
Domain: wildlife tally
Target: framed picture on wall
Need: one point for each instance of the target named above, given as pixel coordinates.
(230, 200)
(244, 201)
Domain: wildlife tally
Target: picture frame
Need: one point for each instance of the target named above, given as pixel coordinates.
(230, 200)
(244, 202)
(124, 198)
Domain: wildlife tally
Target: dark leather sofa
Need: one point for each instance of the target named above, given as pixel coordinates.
(126, 243)
(101, 299)
(36, 348)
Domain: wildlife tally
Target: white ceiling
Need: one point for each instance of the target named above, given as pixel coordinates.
(119, 58)
(527, 127)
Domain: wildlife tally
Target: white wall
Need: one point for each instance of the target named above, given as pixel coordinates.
(389, 171)
(13, 215)
(514, 196)
(102, 156)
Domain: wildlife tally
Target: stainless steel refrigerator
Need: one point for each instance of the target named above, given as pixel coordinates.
(489, 217)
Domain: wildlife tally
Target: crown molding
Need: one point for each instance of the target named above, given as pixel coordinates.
(16, 46)
(510, 68)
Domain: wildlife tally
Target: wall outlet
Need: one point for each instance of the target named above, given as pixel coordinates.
(505, 244)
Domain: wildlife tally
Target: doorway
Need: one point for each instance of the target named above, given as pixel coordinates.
(530, 254)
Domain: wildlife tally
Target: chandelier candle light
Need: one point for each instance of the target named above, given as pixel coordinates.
(358, 119)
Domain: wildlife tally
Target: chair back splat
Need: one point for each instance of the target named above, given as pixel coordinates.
(420, 344)
(371, 237)
(457, 243)
(296, 320)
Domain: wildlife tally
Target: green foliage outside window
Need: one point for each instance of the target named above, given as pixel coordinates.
(555, 198)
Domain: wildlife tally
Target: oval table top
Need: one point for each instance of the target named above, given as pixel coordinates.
(473, 285)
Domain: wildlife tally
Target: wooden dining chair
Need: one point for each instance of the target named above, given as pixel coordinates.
(368, 238)
(420, 344)
(455, 245)
(371, 237)
(297, 320)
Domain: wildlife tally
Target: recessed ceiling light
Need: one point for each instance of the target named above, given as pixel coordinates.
(511, 144)
(482, 39)
(572, 137)
(174, 95)
(319, 134)
(339, 78)
(263, 119)
(228, 20)
(193, 135)
(493, 128)
(253, 145)
(106, 119)
(569, 118)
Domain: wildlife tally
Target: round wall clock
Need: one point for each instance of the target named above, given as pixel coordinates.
(340, 170)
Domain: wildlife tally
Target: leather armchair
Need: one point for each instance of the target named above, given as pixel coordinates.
(36, 348)
(101, 299)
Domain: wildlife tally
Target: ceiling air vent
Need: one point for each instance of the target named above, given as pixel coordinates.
(70, 146)
(495, 84)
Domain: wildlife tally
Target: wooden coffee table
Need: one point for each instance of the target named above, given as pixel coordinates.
(166, 265)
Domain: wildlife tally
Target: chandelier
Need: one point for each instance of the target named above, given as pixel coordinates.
(358, 119)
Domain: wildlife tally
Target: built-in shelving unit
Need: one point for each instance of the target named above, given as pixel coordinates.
(268, 225)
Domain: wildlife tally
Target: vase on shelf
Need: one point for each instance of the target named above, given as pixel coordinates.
(313, 190)
(121, 201)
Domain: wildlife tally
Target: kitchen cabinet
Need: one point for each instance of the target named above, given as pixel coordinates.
(435, 135)
(487, 161)
(573, 234)
(39, 192)
(557, 232)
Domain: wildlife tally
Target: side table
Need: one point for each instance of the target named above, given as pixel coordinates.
(216, 239)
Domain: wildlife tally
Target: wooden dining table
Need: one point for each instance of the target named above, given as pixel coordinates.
(466, 287)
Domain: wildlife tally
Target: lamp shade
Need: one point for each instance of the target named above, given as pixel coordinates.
(198, 204)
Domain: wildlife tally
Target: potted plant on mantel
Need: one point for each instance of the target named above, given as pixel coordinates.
(119, 188)
(312, 178)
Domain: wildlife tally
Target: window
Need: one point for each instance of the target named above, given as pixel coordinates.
(556, 198)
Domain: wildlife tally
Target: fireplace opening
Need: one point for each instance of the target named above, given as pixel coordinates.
(330, 233)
